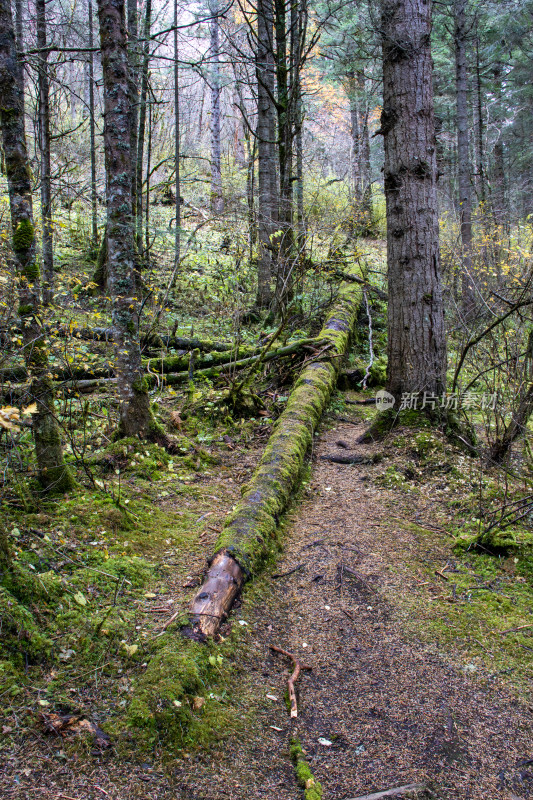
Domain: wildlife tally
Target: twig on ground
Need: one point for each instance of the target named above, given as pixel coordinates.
(298, 667)
(512, 630)
(399, 790)
(284, 574)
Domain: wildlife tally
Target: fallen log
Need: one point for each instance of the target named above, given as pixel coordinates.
(248, 534)
(210, 364)
(347, 459)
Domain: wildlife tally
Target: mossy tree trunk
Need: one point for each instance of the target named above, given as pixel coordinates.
(135, 416)
(53, 473)
(248, 534)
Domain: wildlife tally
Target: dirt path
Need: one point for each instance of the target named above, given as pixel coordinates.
(393, 709)
(396, 711)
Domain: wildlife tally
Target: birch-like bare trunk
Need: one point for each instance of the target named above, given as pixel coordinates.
(53, 473)
(416, 333)
(135, 416)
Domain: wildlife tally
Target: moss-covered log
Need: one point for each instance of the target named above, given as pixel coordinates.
(248, 534)
(175, 367)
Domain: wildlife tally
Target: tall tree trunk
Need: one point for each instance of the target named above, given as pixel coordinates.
(54, 475)
(135, 416)
(177, 240)
(133, 55)
(147, 194)
(416, 333)
(463, 155)
(355, 133)
(284, 277)
(479, 131)
(142, 124)
(499, 193)
(217, 199)
(44, 147)
(92, 134)
(265, 136)
(19, 34)
(366, 167)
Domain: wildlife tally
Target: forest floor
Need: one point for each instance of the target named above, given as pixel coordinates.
(414, 679)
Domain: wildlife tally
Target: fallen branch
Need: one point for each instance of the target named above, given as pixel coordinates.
(298, 667)
(397, 792)
(347, 459)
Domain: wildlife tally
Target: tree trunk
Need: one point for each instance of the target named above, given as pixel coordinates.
(133, 56)
(463, 155)
(135, 416)
(416, 333)
(499, 190)
(19, 35)
(265, 133)
(479, 129)
(92, 134)
(177, 240)
(217, 199)
(53, 473)
(357, 195)
(366, 167)
(284, 119)
(142, 125)
(44, 147)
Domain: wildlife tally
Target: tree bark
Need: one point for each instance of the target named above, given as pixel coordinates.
(416, 333)
(142, 125)
(44, 147)
(265, 135)
(135, 416)
(133, 56)
(217, 199)
(92, 134)
(177, 239)
(463, 155)
(54, 475)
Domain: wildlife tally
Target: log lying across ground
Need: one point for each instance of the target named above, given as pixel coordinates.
(174, 368)
(248, 534)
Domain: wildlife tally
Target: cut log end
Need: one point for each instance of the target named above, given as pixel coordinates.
(223, 582)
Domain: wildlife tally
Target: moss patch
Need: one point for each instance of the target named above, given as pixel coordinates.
(312, 788)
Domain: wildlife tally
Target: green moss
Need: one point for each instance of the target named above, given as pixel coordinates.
(312, 788)
(25, 310)
(21, 636)
(23, 238)
(486, 603)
